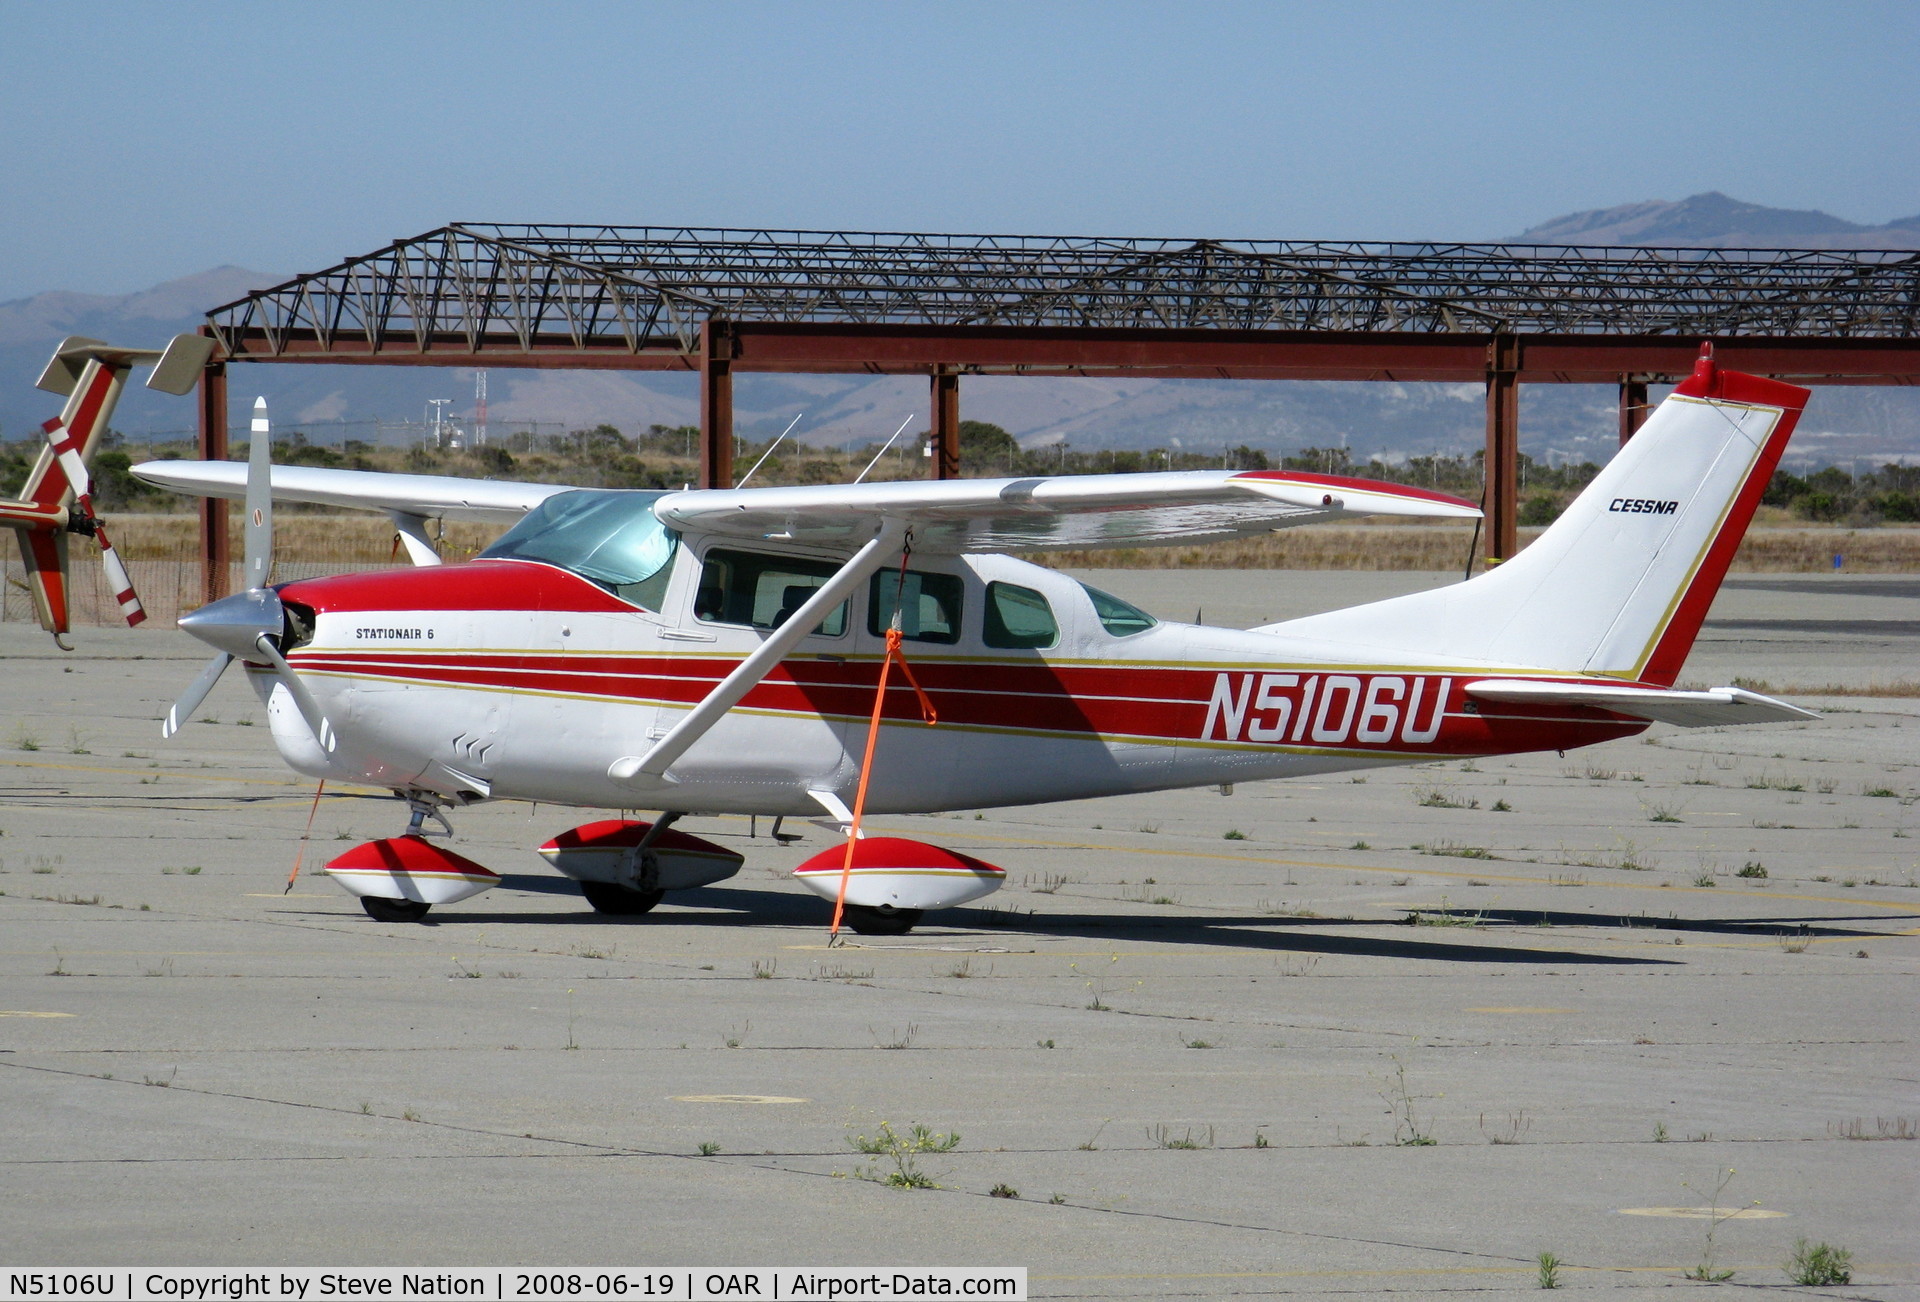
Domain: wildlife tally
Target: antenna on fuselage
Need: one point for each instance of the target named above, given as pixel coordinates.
(769, 452)
(883, 449)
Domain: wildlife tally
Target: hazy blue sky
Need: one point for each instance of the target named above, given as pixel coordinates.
(142, 142)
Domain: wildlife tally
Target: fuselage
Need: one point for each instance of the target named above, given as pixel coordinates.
(518, 678)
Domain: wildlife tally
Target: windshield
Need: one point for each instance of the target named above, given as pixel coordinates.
(1116, 616)
(611, 538)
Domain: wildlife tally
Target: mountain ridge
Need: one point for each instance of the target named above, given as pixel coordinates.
(1391, 420)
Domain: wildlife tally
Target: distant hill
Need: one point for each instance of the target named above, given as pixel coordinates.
(1845, 425)
(1715, 221)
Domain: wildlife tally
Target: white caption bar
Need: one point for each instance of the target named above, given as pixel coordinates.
(493, 1284)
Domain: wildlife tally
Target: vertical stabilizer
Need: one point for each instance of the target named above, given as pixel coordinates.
(1620, 583)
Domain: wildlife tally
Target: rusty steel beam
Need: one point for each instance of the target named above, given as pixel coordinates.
(1501, 497)
(716, 404)
(1633, 406)
(1224, 354)
(946, 425)
(215, 554)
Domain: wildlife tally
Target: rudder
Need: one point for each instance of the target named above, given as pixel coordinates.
(1620, 583)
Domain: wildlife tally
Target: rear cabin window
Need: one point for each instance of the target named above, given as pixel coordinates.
(1116, 616)
(929, 605)
(1019, 618)
(762, 591)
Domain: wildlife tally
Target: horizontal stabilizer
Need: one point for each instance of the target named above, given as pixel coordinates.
(1716, 707)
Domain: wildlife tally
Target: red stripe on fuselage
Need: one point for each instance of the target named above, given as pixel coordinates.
(1155, 703)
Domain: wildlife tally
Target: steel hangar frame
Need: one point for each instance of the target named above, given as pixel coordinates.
(717, 302)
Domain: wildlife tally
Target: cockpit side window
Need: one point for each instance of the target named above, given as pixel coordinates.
(611, 538)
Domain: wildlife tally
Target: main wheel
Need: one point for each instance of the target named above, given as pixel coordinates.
(383, 910)
(619, 901)
(870, 921)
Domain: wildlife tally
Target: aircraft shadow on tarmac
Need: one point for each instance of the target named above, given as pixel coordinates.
(736, 906)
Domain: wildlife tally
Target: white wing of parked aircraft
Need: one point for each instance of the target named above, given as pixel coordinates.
(950, 516)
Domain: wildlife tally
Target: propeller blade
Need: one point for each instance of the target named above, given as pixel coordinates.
(309, 707)
(118, 580)
(196, 692)
(67, 452)
(259, 498)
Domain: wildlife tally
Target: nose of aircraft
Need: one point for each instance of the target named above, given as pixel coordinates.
(234, 624)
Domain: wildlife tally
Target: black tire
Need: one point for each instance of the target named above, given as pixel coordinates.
(619, 901)
(384, 910)
(881, 922)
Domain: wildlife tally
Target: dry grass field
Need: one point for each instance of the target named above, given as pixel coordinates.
(161, 552)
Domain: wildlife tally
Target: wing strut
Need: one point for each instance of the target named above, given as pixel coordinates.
(650, 769)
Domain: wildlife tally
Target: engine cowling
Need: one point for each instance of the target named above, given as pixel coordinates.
(892, 872)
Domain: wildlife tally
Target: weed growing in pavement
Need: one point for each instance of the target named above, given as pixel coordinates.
(1003, 1190)
(1819, 1265)
(900, 1154)
(763, 971)
(24, 738)
(1510, 1130)
(1704, 880)
(1052, 882)
(1234, 834)
(902, 1039)
(736, 1035)
(1359, 845)
(1660, 813)
(1089, 1145)
(1660, 1135)
(1454, 850)
(1162, 1136)
(1706, 1270)
(709, 1148)
(1197, 1043)
(1502, 807)
(571, 1042)
(1883, 1128)
(1754, 870)
(1435, 798)
(1409, 1129)
(1549, 1273)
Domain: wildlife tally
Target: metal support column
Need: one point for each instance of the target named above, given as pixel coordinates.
(215, 555)
(1633, 406)
(946, 425)
(717, 347)
(1502, 468)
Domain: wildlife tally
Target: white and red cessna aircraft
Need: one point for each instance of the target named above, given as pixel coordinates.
(726, 651)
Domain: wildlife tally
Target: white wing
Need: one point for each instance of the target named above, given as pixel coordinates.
(951, 516)
(417, 495)
(1049, 514)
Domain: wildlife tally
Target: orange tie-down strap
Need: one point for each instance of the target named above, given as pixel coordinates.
(866, 763)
